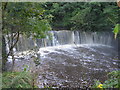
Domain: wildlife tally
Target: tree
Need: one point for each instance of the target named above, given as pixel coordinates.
(23, 18)
(4, 53)
(92, 16)
(95, 16)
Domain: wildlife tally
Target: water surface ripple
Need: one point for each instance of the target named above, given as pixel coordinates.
(72, 65)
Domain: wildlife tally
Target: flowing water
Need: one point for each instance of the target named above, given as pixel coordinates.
(67, 37)
(69, 58)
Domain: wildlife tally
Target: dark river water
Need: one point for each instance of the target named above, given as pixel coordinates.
(70, 65)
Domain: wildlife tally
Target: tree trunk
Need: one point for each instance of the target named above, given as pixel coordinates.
(4, 54)
(119, 46)
(119, 34)
(13, 44)
(11, 51)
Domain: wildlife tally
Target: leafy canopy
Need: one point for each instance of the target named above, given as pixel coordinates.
(26, 18)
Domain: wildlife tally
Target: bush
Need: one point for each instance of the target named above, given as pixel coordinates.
(16, 80)
(112, 82)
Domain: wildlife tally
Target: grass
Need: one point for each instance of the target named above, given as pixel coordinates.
(24, 80)
(17, 80)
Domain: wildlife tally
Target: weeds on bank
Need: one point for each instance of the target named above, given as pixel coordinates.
(17, 80)
(113, 81)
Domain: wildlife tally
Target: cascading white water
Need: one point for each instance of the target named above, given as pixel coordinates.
(68, 37)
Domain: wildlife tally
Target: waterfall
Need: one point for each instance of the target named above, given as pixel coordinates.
(67, 37)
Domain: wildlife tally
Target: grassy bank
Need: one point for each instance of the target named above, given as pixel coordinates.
(25, 80)
(17, 80)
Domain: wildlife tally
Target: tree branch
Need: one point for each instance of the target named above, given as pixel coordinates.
(17, 39)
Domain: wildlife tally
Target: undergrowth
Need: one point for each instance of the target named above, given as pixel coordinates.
(17, 80)
(113, 81)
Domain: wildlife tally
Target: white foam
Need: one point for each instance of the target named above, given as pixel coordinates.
(46, 50)
(53, 49)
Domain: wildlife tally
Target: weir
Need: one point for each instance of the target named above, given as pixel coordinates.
(64, 37)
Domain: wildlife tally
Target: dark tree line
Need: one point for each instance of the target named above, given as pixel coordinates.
(93, 16)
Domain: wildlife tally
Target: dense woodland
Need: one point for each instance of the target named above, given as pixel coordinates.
(94, 16)
(35, 19)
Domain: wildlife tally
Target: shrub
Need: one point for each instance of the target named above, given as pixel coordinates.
(112, 82)
(16, 80)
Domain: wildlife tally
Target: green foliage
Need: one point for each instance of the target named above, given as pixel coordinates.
(112, 82)
(93, 16)
(23, 18)
(80, 19)
(0, 80)
(36, 60)
(116, 30)
(61, 14)
(16, 80)
(97, 83)
(27, 18)
(26, 67)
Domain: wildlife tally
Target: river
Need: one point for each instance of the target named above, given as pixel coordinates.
(69, 59)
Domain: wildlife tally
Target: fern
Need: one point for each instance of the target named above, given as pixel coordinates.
(17, 80)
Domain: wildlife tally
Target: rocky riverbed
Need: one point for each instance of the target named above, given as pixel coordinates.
(69, 65)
